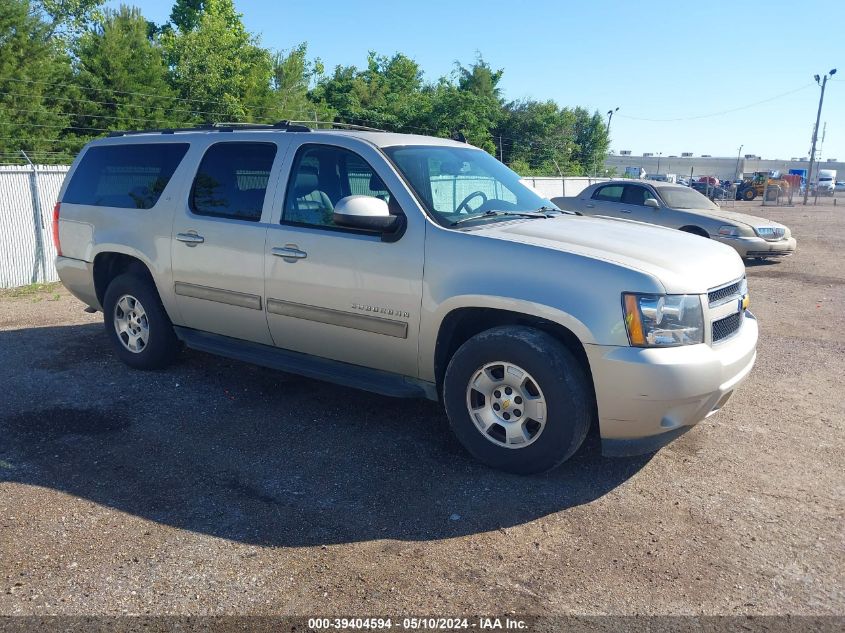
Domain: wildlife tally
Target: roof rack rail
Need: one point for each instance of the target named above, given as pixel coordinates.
(340, 126)
(289, 126)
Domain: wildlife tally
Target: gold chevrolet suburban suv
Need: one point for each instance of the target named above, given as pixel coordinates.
(408, 266)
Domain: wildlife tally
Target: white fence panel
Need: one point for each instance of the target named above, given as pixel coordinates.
(554, 187)
(27, 197)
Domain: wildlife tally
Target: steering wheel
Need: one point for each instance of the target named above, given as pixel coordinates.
(474, 194)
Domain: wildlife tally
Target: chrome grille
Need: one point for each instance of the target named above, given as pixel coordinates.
(719, 294)
(723, 328)
(771, 233)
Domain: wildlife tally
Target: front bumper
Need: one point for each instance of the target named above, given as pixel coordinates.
(758, 247)
(647, 397)
(78, 277)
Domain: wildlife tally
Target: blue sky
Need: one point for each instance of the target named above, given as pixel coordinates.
(654, 60)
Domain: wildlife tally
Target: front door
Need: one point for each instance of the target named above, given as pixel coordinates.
(218, 242)
(335, 292)
(634, 207)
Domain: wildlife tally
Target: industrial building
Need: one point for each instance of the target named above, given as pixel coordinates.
(724, 168)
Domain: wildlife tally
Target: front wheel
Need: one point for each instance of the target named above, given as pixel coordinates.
(517, 399)
(137, 324)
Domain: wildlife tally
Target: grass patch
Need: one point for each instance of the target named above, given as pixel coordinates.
(32, 290)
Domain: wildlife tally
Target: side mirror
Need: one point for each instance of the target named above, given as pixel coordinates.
(365, 212)
(651, 202)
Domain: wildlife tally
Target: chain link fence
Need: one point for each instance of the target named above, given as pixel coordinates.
(27, 196)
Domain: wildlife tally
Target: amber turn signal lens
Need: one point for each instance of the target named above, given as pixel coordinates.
(633, 321)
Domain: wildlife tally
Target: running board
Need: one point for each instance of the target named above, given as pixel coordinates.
(346, 374)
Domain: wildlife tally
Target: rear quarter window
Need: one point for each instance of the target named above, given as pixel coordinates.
(129, 176)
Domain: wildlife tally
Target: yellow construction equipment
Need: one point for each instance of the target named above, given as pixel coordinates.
(760, 182)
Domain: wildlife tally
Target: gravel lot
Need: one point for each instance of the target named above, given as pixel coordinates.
(217, 487)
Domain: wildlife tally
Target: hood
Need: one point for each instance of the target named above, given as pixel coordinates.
(733, 216)
(683, 263)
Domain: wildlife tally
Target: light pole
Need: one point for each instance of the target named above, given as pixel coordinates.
(736, 171)
(823, 83)
(609, 119)
(659, 154)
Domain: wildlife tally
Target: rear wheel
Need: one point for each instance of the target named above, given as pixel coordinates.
(137, 324)
(517, 399)
(749, 195)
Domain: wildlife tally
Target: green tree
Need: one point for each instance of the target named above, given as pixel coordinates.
(591, 140)
(186, 14)
(69, 18)
(33, 71)
(291, 81)
(122, 76)
(391, 93)
(480, 79)
(219, 66)
(538, 135)
(454, 110)
(388, 93)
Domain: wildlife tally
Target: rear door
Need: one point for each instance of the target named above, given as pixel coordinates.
(218, 240)
(606, 200)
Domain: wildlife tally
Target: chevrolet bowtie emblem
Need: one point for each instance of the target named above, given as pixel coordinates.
(506, 404)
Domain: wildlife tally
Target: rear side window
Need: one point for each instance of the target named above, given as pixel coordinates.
(231, 181)
(610, 193)
(125, 176)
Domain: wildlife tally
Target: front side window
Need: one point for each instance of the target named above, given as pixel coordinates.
(130, 176)
(231, 181)
(458, 183)
(321, 176)
(636, 194)
(610, 193)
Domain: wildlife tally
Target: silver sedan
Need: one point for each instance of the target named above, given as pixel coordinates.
(685, 209)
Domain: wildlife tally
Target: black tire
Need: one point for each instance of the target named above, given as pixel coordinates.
(162, 344)
(558, 374)
(749, 194)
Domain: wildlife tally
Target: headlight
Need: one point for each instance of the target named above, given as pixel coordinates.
(663, 320)
(729, 231)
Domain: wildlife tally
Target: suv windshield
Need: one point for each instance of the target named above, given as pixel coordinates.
(684, 198)
(459, 184)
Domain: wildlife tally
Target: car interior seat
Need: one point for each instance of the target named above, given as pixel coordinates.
(309, 204)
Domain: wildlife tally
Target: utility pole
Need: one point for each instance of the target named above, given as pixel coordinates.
(736, 171)
(659, 154)
(816, 133)
(818, 168)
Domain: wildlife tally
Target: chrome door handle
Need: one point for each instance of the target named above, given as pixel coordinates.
(626, 210)
(590, 206)
(191, 239)
(289, 253)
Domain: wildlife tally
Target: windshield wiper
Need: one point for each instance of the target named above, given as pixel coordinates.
(546, 209)
(492, 212)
